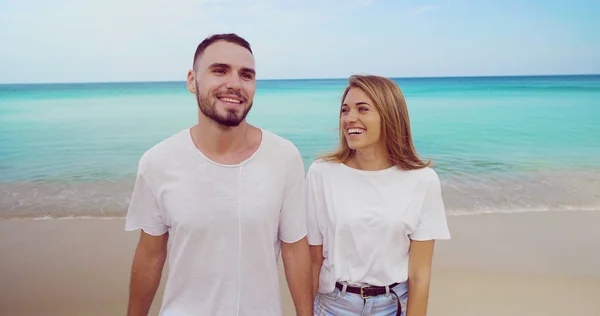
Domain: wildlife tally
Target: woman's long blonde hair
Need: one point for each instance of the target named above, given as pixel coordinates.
(395, 123)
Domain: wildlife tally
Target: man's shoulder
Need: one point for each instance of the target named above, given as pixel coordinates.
(161, 151)
(278, 143)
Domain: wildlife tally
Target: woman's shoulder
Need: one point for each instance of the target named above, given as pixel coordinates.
(428, 176)
(323, 167)
(320, 165)
(427, 173)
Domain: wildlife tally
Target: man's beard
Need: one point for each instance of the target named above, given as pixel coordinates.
(230, 119)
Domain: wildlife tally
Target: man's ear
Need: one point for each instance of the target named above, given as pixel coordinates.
(191, 82)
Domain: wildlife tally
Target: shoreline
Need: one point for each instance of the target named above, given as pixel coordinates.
(463, 195)
(453, 213)
(495, 264)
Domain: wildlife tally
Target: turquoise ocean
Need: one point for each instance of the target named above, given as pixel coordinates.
(499, 144)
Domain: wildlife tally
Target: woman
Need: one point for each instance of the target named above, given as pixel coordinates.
(374, 210)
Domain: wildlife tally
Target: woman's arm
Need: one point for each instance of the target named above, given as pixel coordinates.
(316, 257)
(419, 275)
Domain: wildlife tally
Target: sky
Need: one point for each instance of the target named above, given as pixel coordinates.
(46, 41)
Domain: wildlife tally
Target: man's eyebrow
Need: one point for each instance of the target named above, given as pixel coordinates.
(227, 66)
(219, 65)
(249, 70)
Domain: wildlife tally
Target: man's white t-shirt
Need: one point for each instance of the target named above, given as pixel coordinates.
(365, 221)
(225, 223)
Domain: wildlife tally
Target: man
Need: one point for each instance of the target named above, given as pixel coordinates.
(226, 197)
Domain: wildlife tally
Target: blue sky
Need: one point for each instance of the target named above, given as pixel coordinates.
(154, 40)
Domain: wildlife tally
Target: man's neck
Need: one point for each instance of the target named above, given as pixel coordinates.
(217, 140)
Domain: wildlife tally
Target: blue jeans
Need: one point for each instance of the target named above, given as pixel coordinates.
(341, 303)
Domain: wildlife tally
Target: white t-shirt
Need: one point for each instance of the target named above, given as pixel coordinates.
(366, 219)
(225, 223)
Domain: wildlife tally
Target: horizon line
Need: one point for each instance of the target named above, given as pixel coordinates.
(331, 78)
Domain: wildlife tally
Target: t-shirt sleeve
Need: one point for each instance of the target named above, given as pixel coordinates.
(432, 222)
(144, 212)
(313, 192)
(292, 219)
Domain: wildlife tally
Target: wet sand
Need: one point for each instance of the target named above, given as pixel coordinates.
(463, 195)
(540, 263)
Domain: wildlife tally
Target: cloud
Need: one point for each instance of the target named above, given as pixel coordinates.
(358, 4)
(426, 8)
(100, 39)
(110, 19)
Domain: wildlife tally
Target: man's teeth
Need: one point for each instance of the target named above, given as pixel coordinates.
(355, 131)
(229, 100)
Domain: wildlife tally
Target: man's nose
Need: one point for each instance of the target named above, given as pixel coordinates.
(234, 82)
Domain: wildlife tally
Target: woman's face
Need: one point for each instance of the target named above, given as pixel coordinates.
(360, 120)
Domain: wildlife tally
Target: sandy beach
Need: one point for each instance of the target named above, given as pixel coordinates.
(539, 263)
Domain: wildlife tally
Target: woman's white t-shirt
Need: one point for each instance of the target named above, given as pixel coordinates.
(365, 220)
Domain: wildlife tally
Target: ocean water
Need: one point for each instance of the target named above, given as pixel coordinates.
(499, 144)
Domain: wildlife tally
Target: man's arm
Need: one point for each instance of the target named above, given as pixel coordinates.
(146, 272)
(296, 260)
(316, 257)
(419, 276)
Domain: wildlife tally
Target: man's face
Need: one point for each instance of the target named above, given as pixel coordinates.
(224, 83)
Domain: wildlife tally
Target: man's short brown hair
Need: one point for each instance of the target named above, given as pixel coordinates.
(228, 37)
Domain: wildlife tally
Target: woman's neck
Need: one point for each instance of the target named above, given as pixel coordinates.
(371, 159)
